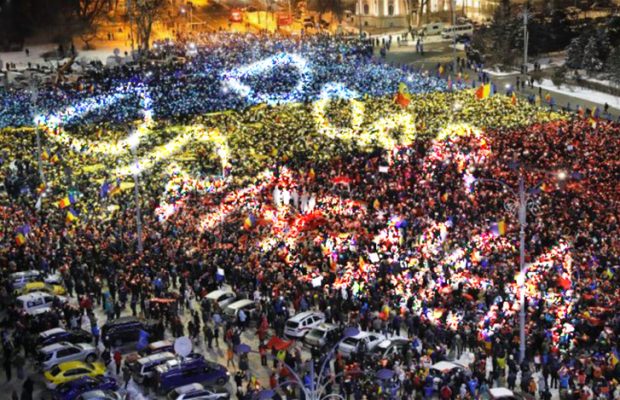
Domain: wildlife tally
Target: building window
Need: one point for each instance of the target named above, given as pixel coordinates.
(391, 9)
(366, 9)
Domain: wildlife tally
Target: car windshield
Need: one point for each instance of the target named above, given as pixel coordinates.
(316, 333)
(55, 370)
(292, 324)
(350, 341)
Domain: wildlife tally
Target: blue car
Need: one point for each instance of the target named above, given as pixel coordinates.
(196, 370)
(71, 390)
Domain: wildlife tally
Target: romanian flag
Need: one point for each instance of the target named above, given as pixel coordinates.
(311, 174)
(249, 222)
(595, 113)
(72, 215)
(64, 202)
(20, 239)
(402, 97)
(498, 228)
(54, 159)
(483, 92)
(513, 99)
(116, 189)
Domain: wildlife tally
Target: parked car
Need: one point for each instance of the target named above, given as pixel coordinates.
(126, 330)
(37, 302)
(64, 351)
(363, 341)
(300, 324)
(56, 335)
(71, 390)
(388, 348)
(443, 369)
(101, 395)
(20, 279)
(160, 346)
(198, 370)
(40, 286)
(145, 367)
(323, 335)
(502, 393)
(69, 371)
(196, 391)
(232, 310)
(222, 297)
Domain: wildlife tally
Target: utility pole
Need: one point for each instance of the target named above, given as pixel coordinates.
(522, 224)
(452, 7)
(34, 96)
(360, 16)
(525, 38)
(136, 191)
(130, 13)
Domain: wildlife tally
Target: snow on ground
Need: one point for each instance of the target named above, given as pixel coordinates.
(21, 60)
(581, 93)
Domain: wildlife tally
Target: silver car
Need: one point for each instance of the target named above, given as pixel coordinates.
(57, 353)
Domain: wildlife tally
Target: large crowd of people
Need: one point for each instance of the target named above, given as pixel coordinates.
(384, 218)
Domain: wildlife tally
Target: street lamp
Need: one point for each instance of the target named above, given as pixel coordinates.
(522, 199)
(33, 97)
(318, 383)
(134, 141)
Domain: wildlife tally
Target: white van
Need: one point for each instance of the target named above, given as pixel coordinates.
(36, 302)
(145, 366)
(300, 324)
(432, 29)
(458, 31)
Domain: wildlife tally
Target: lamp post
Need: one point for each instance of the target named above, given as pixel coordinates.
(34, 96)
(133, 143)
(522, 198)
(318, 382)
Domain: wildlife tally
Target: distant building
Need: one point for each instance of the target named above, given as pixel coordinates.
(382, 13)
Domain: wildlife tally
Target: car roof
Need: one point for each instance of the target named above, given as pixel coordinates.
(51, 332)
(24, 273)
(325, 326)
(501, 392)
(31, 296)
(156, 357)
(445, 366)
(217, 293)
(94, 394)
(161, 343)
(71, 365)
(55, 347)
(192, 387)
(240, 303)
(303, 315)
(360, 335)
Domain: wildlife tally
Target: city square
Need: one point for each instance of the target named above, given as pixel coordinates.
(232, 202)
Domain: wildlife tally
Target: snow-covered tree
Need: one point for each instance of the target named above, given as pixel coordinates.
(592, 56)
(613, 65)
(574, 56)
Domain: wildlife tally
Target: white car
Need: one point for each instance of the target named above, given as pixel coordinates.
(362, 341)
(302, 323)
(443, 368)
(222, 297)
(20, 279)
(37, 302)
(64, 351)
(196, 391)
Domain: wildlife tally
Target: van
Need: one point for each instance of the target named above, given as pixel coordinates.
(431, 29)
(458, 31)
(300, 324)
(145, 366)
(36, 302)
(232, 310)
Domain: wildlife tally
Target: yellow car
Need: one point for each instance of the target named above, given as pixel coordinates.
(57, 290)
(70, 370)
